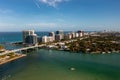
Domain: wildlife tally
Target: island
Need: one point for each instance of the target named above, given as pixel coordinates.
(94, 42)
(78, 42)
(5, 56)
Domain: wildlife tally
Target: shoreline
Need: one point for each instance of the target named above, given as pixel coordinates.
(82, 52)
(12, 59)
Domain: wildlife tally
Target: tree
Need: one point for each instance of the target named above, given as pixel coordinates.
(1, 47)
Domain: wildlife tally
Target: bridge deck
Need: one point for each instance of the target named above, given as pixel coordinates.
(25, 48)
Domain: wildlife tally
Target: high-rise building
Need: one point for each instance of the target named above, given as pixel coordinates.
(29, 37)
(52, 34)
(50, 39)
(73, 35)
(58, 37)
(27, 33)
(66, 36)
(81, 33)
(76, 35)
(69, 36)
(44, 39)
(59, 34)
(39, 39)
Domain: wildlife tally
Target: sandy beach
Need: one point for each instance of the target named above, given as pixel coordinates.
(17, 57)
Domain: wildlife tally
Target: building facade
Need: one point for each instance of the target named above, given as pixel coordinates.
(29, 37)
(59, 35)
(32, 39)
(44, 39)
(52, 34)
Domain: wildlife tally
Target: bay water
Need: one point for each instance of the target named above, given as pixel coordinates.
(45, 64)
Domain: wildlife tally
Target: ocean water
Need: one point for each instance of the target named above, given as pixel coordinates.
(6, 38)
(56, 65)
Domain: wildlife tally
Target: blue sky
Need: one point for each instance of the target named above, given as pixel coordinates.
(50, 15)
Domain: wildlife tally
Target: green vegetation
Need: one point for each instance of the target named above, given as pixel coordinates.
(94, 44)
(11, 55)
(1, 47)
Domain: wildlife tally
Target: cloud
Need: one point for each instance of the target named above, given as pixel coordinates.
(52, 3)
(42, 24)
(36, 3)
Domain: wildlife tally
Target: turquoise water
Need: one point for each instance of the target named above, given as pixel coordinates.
(6, 37)
(55, 65)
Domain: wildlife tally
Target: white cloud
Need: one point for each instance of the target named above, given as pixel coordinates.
(52, 3)
(36, 3)
(42, 24)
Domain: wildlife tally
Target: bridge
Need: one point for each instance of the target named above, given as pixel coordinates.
(21, 49)
(37, 46)
(26, 48)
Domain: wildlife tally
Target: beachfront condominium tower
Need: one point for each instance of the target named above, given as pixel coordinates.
(44, 39)
(29, 36)
(59, 35)
(59, 32)
(81, 33)
(31, 39)
(26, 33)
(52, 34)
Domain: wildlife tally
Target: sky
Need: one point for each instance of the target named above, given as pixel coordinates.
(51, 15)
